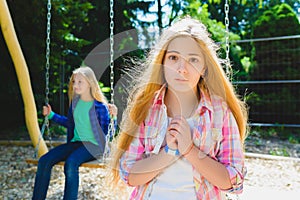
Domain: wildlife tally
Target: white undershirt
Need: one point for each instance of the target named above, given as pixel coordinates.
(176, 181)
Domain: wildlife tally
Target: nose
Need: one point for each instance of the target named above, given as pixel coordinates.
(182, 65)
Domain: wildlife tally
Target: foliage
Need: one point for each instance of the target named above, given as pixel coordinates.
(280, 132)
(77, 27)
(279, 20)
(217, 30)
(242, 14)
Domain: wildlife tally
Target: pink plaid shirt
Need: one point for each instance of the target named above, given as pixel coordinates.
(219, 138)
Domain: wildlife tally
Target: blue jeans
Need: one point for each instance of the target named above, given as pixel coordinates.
(74, 154)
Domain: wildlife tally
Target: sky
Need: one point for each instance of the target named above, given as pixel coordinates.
(150, 17)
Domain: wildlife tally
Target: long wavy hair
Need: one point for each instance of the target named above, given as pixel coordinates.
(151, 79)
(90, 77)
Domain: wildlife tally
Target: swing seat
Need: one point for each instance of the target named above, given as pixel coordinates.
(91, 164)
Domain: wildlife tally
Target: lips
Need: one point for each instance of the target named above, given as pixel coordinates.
(181, 80)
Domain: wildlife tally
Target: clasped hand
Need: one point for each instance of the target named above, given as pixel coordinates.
(179, 134)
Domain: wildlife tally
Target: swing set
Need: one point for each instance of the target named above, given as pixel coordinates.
(35, 133)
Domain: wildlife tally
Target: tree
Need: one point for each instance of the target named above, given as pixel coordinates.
(280, 20)
(242, 14)
(276, 59)
(218, 31)
(72, 37)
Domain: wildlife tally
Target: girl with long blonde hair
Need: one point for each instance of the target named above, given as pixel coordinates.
(182, 133)
(87, 126)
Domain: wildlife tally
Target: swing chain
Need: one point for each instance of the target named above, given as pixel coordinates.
(45, 126)
(228, 68)
(227, 47)
(111, 26)
(111, 128)
(48, 66)
(48, 51)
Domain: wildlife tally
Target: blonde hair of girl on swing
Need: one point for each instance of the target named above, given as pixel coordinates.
(183, 131)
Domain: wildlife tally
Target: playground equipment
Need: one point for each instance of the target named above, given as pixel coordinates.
(23, 76)
(25, 83)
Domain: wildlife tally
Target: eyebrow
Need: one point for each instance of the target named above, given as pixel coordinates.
(190, 54)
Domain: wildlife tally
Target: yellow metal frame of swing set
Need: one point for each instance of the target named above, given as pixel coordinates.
(21, 68)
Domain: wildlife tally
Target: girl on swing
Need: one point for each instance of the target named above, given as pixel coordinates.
(87, 125)
(183, 131)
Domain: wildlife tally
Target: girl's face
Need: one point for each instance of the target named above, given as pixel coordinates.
(80, 85)
(183, 64)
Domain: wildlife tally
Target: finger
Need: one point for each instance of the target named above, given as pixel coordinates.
(173, 140)
(112, 112)
(176, 126)
(45, 110)
(173, 128)
(177, 136)
(49, 108)
(173, 133)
